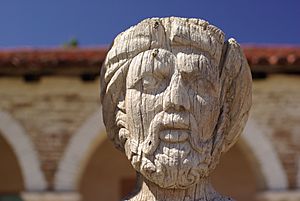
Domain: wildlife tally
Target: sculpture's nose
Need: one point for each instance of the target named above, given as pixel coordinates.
(176, 96)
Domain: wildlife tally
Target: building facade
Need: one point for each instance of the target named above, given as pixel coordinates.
(53, 145)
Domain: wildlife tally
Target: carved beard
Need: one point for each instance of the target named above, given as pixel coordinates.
(172, 155)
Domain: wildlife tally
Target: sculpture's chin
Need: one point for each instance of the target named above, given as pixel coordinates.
(175, 166)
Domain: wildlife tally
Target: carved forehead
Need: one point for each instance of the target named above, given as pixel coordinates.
(167, 33)
(164, 64)
(152, 61)
(164, 60)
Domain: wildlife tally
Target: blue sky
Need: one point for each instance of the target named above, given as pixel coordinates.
(50, 23)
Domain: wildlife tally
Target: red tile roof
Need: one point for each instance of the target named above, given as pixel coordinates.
(51, 61)
(78, 61)
(273, 59)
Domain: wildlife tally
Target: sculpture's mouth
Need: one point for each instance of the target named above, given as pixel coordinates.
(174, 135)
(168, 127)
(175, 131)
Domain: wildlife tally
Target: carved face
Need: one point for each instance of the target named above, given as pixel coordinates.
(172, 106)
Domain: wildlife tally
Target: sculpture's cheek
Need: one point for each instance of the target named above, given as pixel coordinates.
(133, 112)
(205, 110)
(141, 109)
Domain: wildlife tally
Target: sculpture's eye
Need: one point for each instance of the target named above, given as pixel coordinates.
(202, 85)
(150, 83)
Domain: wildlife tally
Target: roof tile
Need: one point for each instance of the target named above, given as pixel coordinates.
(88, 60)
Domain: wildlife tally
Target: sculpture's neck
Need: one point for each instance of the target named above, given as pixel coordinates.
(202, 191)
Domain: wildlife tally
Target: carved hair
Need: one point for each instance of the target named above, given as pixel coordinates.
(168, 33)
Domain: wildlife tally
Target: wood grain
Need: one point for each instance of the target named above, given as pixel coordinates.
(175, 96)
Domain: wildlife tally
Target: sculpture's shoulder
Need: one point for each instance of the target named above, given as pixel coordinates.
(223, 198)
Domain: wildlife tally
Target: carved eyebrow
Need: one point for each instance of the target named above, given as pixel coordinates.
(198, 74)
(158, 72)
(159, 67)
(203, 71)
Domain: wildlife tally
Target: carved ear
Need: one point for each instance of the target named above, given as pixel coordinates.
(236, 93)
(235, 99)
(112, 97)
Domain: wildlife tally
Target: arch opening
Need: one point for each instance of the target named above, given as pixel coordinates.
(11, 182)
(19, 141)
(108, 175)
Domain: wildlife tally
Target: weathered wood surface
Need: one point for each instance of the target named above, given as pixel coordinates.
(175, 96)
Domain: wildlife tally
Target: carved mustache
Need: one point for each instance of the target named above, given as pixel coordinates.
(174, 121)
(169, 121)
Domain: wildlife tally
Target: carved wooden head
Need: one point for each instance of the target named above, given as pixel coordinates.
(175, 96)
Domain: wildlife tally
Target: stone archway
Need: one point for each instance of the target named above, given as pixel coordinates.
(24, 150)
(263, 152)
(92, 132)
